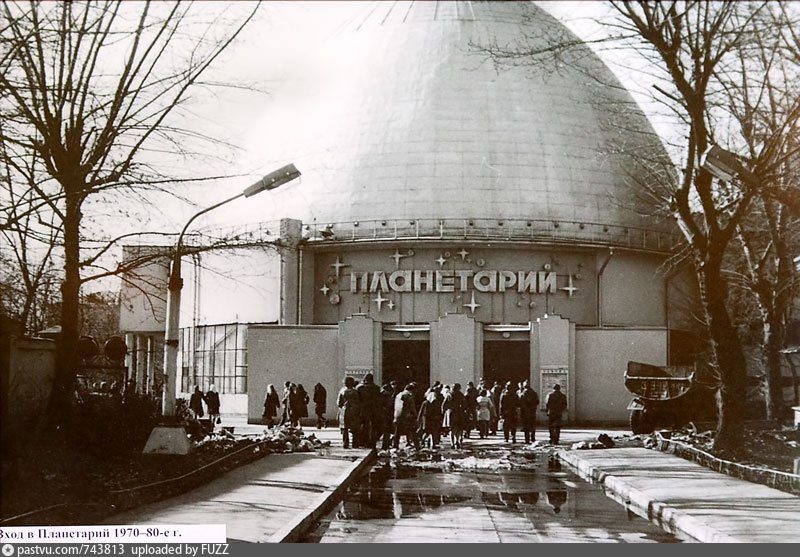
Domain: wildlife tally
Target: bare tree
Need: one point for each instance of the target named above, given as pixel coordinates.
(90, 94)
(694, 52)
(761, 87)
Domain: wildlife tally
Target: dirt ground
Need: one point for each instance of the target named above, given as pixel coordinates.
(53, 475)
(767, 448)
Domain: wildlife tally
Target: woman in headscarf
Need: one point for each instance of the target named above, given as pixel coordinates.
(212, 401)
(484, 412)
(430, 420)
(296, 405)
(454, 410)
(302, 401)
(271, 404)
(196, 403)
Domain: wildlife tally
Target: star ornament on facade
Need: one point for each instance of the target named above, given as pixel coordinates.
(472, 305)
(463, 253)
(570, 289)
(390, 305)
(380, 300)
(397, 257)
(324, 289)
(441, 261)
(338, 265)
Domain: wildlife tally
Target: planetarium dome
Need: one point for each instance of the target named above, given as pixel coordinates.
(421, 124)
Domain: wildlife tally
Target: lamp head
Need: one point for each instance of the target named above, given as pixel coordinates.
(721, 163)
(273, 180)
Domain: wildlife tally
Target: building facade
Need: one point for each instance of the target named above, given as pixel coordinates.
(459, 219)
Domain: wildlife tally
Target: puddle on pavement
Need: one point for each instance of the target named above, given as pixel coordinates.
(545, 501)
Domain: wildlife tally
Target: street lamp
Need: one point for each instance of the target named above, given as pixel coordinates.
(723, 164)
(163, 439)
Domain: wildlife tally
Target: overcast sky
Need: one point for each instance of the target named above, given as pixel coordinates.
(286, 52)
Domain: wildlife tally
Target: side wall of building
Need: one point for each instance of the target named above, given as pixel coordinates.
(601, 357)
(301, 354)
(31, 370)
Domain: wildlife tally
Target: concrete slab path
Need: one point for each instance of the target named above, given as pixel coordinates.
(270, 496)
(684, 497)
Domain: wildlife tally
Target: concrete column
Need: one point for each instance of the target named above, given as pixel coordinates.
(290, 235)
(456, 349)
(308, 288)
(553, 358)
(357, 346)
(130, 357)
(141, 363)
(150, 368)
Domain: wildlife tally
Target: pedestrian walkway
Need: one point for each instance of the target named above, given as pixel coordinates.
(684, 497)
(267, 500)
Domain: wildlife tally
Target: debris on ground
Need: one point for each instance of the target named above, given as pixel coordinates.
(606, 441)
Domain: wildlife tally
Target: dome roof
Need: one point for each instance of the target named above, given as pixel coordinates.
(420, 124)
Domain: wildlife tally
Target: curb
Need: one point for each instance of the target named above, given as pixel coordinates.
(293, 530)
(776, 479)
(667, 517)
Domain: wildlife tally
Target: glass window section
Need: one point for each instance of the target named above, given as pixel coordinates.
(215, 355)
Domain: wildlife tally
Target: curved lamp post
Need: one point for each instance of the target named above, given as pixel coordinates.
(162, 440)
(172, 337)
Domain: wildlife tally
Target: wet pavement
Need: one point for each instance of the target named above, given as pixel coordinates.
(485, 493)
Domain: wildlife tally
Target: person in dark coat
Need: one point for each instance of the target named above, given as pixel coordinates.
(405, 417)
(271, 404)
(528, 406)
(369, 400)
(196, 403)
(471, 396)
(387, 415)
(297, 405)
(454, 415)
(212, 401)
(349, 411)
(302, 400)
(556, 404)
(494, 394)
(509, 405)
(320, 402)
(129, 393)
(430, 420)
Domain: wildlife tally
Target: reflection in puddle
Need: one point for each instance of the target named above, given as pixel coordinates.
(541, 503)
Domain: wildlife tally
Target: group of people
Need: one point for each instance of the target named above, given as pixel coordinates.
(294, 404)
(210, 398)
(369, 413)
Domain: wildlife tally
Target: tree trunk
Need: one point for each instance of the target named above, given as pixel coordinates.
(773, 378)
(67, 362)
(732, 392)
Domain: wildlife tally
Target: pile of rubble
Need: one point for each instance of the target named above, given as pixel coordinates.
(290, 440)
(604, 441)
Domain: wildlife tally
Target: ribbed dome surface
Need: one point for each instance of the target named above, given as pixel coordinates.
(423, 125)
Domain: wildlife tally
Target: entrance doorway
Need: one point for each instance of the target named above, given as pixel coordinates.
(506, 360)
(406, 361)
